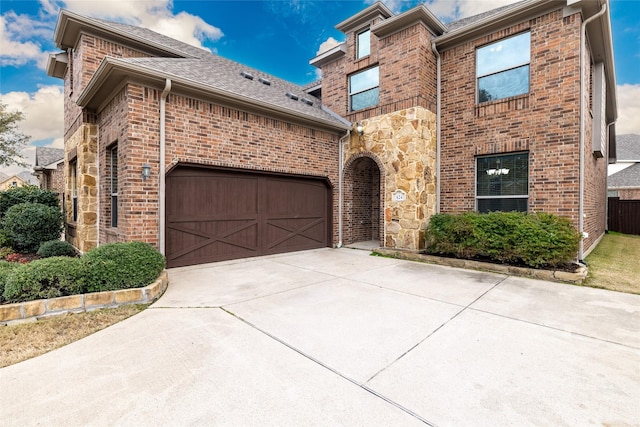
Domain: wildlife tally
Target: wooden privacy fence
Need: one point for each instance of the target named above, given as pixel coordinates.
(624, 215)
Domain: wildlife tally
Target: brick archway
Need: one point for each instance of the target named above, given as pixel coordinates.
(363, 198)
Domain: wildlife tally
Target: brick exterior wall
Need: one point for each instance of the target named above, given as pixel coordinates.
(399, 135)
(197, 132)
(545, 123)
(629, 194)
(407, 73)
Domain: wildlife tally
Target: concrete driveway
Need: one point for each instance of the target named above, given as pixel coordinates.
(338, 337)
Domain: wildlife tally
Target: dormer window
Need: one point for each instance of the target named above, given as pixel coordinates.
(363, 44)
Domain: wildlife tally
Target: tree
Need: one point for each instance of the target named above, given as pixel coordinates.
(11, 139)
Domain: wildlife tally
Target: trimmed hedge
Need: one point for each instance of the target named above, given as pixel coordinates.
(535, 240)
(26, 194)
(6, 268)
(44, 278)
(121, 266)
(30, 224)
(109, 267)
(56, 248)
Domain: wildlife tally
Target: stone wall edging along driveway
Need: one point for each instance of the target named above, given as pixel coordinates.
(34, 310)
(576, 278)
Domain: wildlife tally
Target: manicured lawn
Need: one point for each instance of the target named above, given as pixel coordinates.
(615, 264)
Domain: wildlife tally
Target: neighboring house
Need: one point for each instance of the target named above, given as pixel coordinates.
(49, 169)
(209, 160)
(624, 175)
(13, 181)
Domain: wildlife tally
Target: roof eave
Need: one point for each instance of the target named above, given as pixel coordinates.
(417, 14)
(360, 19)
(329, 56)
(494, 22)
(57, 65)
(112, 72)
(70, 25)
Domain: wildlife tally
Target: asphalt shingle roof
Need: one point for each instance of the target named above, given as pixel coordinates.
(628, 147)
(628, 177)
(47, 155)
(221, 74)
(455, 25)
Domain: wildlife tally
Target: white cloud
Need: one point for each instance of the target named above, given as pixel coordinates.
(43, 116)
(628, 109)
(327, 44)
(43, 119)
(17, 34)
(156, 15)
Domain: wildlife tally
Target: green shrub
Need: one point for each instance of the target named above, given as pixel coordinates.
(30, 224)
(44, 278)
(26, 194)
(4, 251)
(536, 240)
(56, 248)
(5, 269)
(5, 241)
(121, 266)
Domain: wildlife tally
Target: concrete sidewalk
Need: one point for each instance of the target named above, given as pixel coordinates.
(338, 337)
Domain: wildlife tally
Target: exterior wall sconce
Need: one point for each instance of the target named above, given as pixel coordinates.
(146, 171)
(359, 129)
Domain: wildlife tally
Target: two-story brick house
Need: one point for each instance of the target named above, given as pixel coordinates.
(508, 110)
(209, 160)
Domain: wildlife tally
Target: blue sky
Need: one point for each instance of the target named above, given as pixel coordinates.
(278, 37)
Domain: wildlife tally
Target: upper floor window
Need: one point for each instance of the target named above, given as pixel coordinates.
(502, 183)
(363, 88)
(502, 68)
(363, 44)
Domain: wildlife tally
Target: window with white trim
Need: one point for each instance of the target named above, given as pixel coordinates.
(363, 89)
(363, 44)
(113, 184)
(502, 68)
(502, 183)
(73, 176)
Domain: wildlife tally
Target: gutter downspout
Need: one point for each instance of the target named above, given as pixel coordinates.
(438, 102)
(161, 188)
(583, 43)
(340, 180)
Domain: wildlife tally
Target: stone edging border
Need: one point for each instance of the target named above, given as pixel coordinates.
(576, 278)
(38, 309)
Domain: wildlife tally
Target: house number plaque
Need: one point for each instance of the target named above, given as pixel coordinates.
(398, 196)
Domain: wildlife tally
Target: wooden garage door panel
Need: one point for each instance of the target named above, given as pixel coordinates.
(192, 197)
(295, 215)
(219, 215)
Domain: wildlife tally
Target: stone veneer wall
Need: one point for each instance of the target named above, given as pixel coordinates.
(83, 233)
(403, 144)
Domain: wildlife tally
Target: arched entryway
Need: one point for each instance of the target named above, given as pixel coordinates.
(362, 200)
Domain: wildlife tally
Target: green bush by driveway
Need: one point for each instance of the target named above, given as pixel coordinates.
(535, 240)
(121, 266)
(109, 267)
(44, 278)
(27, 225)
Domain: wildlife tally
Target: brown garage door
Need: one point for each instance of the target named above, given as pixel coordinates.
(216, 215)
